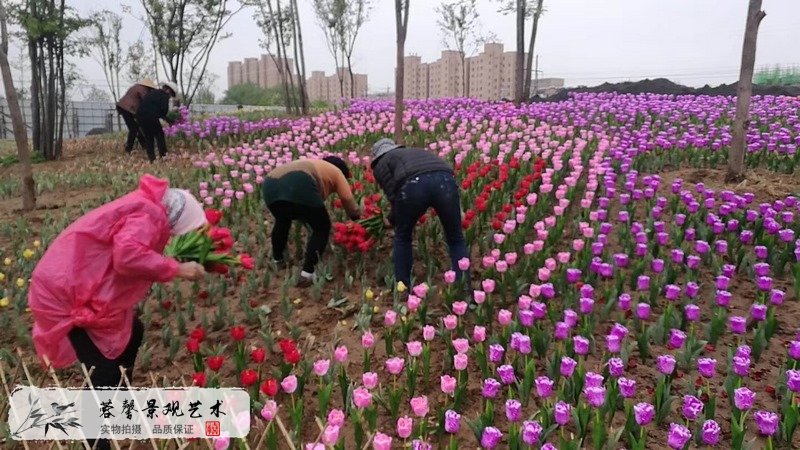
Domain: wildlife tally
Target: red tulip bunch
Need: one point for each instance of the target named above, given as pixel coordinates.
(212, 247)
(353, 237)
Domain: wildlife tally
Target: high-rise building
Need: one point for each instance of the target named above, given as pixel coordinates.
(415, 78)
(266, 72)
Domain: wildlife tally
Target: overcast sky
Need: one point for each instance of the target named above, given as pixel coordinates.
(584, 41)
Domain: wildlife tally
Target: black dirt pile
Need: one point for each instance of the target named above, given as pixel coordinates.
(665, 86)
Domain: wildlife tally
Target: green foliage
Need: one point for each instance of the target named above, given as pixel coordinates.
(778, 76)
(254, 95)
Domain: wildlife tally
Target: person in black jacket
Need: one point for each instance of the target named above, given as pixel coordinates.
(414, 180)
(155, 106)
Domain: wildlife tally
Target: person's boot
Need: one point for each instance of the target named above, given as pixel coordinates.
(281, 264)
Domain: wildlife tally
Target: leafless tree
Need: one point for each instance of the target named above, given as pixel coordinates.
(278, 33)
(401, 25)
(184, 33)
(342, 20)
(529, 11)
(17, 119)
(744, 90)
(458, 20)
(105, 47)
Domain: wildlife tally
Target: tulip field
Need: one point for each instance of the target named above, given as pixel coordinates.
(621, 295)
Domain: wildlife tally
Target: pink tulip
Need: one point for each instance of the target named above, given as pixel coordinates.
(361, 397)
(367, 340)
(390, 318)
(289, 384)
(269, 410)
(460, 361)
(331, 435)
(321, 367)
(529, 249)
(414, 348)
(428, 332)
(479, 333)
(479, 297)
(405, 425)
(460, 308)
(504, 317)
(450, 322)
(395, 365)
(413, 302)
(419, 405)
(448, 384)
(461, 345)
(340, 354)
(381, 442)
(370, 379)
(488, 285)
(336, 418)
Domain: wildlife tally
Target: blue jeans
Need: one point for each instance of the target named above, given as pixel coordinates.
(437, 190)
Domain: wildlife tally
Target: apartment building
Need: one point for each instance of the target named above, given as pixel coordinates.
(490, 75)
(266, 72)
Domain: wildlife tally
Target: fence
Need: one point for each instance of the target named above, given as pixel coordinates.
(99, 117)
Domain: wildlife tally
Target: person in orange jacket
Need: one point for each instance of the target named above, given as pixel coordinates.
(127, 107)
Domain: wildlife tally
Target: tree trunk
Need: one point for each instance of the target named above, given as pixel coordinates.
(17, 119)
(35, 104)
(520, 57)
(744, 91)
(279, 62)
(299, 58)
(529, 59)
(290, 91)
(401, 24)
(352, 78)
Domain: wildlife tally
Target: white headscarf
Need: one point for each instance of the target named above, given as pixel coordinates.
(183, 211)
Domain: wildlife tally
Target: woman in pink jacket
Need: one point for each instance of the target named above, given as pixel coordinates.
(84, 290)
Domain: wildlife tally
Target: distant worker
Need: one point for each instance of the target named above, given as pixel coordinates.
(155, 106)
(128, 105)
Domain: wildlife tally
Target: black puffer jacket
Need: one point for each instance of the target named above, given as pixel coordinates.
(394, 168)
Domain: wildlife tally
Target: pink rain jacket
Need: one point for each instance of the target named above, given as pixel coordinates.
(97, 270)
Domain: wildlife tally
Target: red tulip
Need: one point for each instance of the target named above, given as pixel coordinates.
(220, 269)
(258, 355)
(292, 356)
(213, 216)
(193, 345)
(199, 334)
(215, 362)
(269, 387)
(166, 304)
(246, 261)
(199, 379)
(286, 345)
(248, 377)
(238, 333)
(203, 295)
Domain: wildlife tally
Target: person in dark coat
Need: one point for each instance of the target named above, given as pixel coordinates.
(155, 106)
(414, 180)
(127, 107)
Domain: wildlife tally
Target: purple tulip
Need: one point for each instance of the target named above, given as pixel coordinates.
(513, 410)
(643, 413)
(506, 374)
(678, 436)
(567, 367)
(693, 262)
(764, 284)
(741, 365)
(573, 275)
(676, 338)
(581, 345)
(496, 352)
(531, 431)
(643, 283)
(767, 422)
(561, 331)
(728, 270)
(692, 312)
(776, 296)
(624, 302)
(562, 413)
(586, 305)
(570, 317)
(544, 386)
(491, 437)
(758, 312)
(491, 388)
(738, 324)
(707, 367)
(722, 282)
(761, 252)
(743, 398)
(657, 265)
(723, 298)
(672, 292)
(592, 379)
(627, 387)
(452, 421)
(595, 396)
(613, 343)
(794, 350)
(692, 407)
(761, 269)
(743, 351)
(677, 256)
(666, 364)
(692, 289)
(793, 380)
(642, 311)
(711, 432)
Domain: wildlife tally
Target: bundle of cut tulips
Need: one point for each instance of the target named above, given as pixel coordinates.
(211, 246)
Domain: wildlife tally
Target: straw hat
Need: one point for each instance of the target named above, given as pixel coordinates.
(171, 85)
(149, 83)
